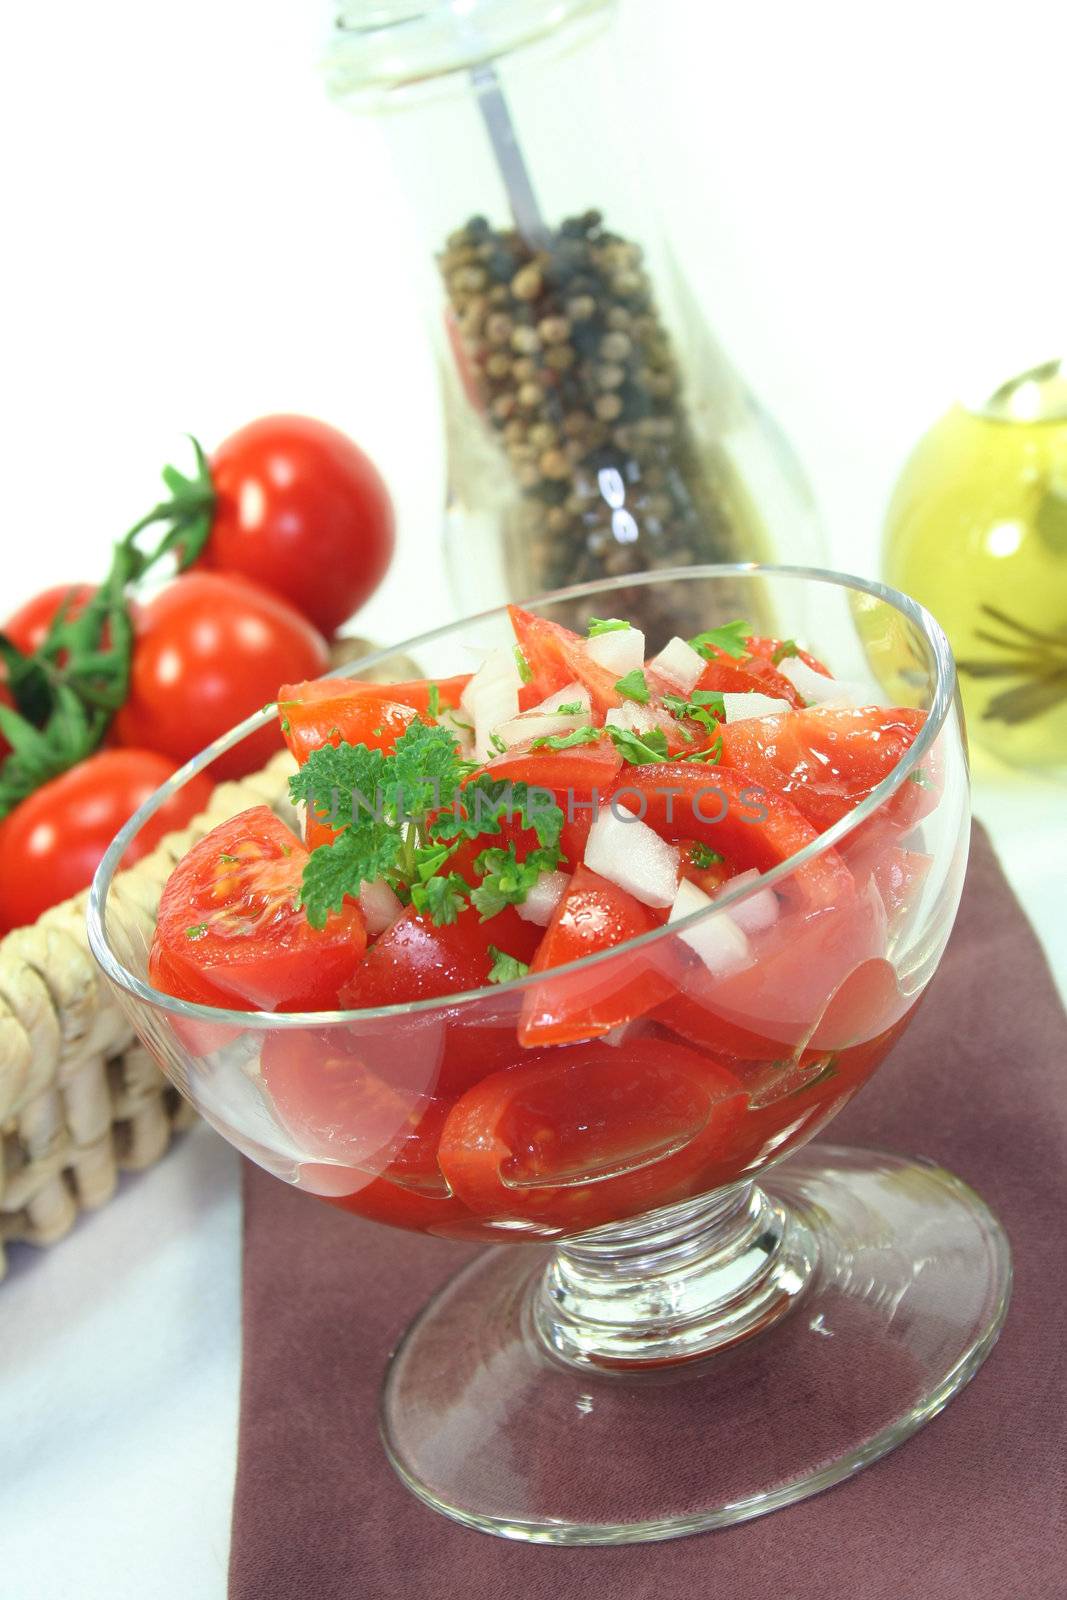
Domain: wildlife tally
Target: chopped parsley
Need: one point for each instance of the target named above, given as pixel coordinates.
(565, 741)
(920, 777)
(705, 706)
(497, 744)
(634, 686)
(731, 639)
(599, 625)
(787, 647)
(433, 701)
(573, 708)
(639, 749)
(505, 968)
(196, 932)
(703, 856)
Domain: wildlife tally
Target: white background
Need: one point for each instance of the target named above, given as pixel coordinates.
(870, 202)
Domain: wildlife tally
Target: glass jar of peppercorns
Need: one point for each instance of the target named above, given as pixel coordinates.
(593, 425)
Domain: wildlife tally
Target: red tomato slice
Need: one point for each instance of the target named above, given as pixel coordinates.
(729, 676)
(787, 997)
(545, 646)
(331, 1100)
(581, 769)
(331, 710)
(593, 915)
(585, 1136)
(557, 657)
(826, 760)
(228, 920)
(748, 824)
(766, 649)
(417, 960)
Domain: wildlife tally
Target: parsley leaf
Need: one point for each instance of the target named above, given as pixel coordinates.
(573, 708)
(565, 741)
(362, 853)
(425, 770)
(705, 706)
(731, 639)
(703, 856)
(433, 701)
(599, 625)
(340, 783)
(640, 749)
(787, 647)
(506, 881)
(523, 665)
(634, 686)
(196, 932)
(443, 897)
(505, 968)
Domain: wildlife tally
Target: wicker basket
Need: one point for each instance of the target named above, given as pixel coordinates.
(80, 1099)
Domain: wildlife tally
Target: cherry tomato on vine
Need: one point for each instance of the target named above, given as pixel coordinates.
(27, 627)
(303, 511)
(209, 650)
(52, 843)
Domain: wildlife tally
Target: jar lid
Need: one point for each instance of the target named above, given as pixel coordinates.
(380, 47)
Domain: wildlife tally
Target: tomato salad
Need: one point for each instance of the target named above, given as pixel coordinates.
(487, 832)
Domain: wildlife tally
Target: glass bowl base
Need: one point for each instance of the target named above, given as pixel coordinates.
(906, 1298)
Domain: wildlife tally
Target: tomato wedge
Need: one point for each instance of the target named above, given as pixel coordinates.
(557, 657)
(749, 824)
(417, 960)
(229, 933)
(826, 760)
(785, 997)
(593, 915)
(580, 1137)
(331, 710)
(327, 1094)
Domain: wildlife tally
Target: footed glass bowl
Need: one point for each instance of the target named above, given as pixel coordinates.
(697, 1329)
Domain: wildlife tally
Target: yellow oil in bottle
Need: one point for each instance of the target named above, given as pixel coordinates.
(977, 531)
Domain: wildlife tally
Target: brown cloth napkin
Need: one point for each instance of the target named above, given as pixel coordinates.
(971, 1508)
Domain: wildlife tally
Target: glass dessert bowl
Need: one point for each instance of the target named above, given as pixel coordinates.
(752, 873)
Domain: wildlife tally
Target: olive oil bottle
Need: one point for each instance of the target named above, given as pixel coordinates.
(977, 531)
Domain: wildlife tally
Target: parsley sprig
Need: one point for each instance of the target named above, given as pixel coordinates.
(402, 817)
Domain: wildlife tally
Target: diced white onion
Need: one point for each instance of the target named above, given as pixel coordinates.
(679, 663)
(620, 651)
(532, 725)
(543, 898)
(756, 912)
(638, 718)
(820, 691)
(575, 694)
(742, 707)
(497, 703)
(718, 941)
(499, 667)
(628, 852)
(380, 906)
